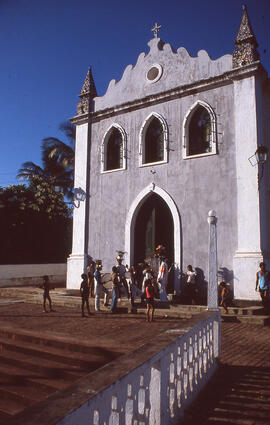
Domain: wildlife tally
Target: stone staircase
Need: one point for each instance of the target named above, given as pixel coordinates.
(33, 367)
(235, 396)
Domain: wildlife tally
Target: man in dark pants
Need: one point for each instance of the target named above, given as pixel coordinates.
(84, 289)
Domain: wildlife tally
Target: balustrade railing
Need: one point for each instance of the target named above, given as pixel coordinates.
(158, 389)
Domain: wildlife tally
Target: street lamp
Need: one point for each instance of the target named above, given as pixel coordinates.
(260, 158)
(79, 195)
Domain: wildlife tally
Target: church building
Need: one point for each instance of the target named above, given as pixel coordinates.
(175, 138)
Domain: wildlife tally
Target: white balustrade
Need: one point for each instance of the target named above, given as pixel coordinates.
(157, 391)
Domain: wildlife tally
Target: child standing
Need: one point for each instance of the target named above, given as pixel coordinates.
(225, 292)
(84, 290)
(150, 293)
(46, 294)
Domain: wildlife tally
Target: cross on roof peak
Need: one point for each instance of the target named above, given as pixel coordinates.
(156, 29)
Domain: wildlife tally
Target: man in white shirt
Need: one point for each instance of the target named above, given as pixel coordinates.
(163, 279)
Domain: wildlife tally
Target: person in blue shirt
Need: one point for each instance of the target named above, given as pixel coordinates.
(262, 283)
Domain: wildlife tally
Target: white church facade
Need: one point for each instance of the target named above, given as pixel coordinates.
(167, 143)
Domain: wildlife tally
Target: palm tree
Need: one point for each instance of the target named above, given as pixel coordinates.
(57, 161)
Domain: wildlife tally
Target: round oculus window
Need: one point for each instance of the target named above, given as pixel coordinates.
(154, 73)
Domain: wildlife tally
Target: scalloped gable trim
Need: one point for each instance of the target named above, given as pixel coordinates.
(179, 68)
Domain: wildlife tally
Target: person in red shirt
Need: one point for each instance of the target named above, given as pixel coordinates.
(150, 293)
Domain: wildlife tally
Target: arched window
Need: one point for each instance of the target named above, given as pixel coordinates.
(153, 140)
(199, 131)
(114, 157)
(113, 149)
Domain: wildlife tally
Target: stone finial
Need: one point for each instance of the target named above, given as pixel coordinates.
(246, 43)
(88, 92)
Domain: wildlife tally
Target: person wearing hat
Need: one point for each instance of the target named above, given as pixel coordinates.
(163, 279)
(121, 271)
(99, 287)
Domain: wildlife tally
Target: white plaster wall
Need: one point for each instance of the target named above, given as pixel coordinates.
(78, 241)
(246, 145)
(77, 261)
(31, 274)
(248, 135)
(194, 185)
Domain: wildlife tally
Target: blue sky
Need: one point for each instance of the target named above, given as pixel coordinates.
(48, 45)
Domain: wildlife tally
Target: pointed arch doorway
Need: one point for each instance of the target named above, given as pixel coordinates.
(152, 219)
(153, 226)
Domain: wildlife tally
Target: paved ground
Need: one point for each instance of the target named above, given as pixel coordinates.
(127, 331)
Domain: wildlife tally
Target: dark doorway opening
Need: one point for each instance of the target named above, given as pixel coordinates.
(154, 226)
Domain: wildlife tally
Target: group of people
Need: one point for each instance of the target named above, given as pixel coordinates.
(147, 284)
(131, 282)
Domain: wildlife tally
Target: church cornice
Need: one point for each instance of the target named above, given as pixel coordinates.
(177, 92)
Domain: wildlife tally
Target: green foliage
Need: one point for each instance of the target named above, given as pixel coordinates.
(57, 162)
(35, 224)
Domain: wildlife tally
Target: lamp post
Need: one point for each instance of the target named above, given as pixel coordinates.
(259, 158)
(212, 296)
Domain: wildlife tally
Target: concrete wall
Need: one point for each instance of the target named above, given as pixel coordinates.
(31, 274)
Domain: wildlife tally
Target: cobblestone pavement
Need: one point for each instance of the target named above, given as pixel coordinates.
(240, 391)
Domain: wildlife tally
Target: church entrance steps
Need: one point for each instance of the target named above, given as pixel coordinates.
(252, 314)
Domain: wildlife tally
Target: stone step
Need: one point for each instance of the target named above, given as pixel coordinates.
(250, 319)
(20, 398)
(13, 375)
(18, 383)
(51, 353)
(4, 417)
(10, 407)
(63, 343)
(41, 366)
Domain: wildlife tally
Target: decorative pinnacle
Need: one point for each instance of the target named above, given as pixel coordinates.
(246, 43)
(87, 95)
(89, 88)
(245, 32)
(156, 29)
